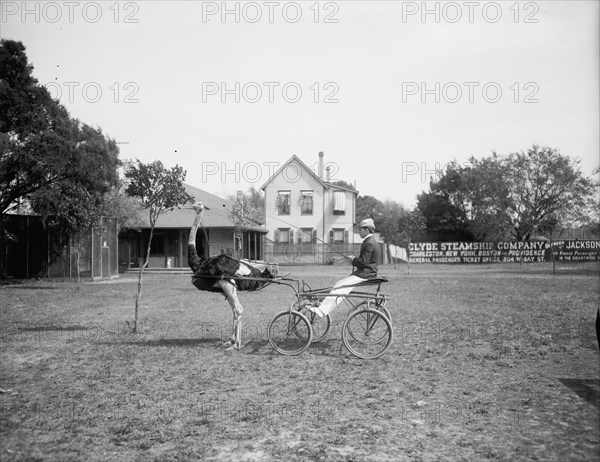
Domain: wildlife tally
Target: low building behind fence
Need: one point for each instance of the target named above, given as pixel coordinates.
(28, 249)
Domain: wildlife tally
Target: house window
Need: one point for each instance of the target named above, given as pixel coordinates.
(284, 236)
(306, 202)
(339, 203)
(283, 202)
(307, 236)
(338, 236)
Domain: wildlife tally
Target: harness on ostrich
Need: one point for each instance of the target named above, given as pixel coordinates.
(244, 274)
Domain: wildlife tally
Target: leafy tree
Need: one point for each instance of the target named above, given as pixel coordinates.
(127, 210)
(443, 220)
(74, 198)
(514, 196)
(248, 211)
(544, 186)
(370, 207)
(159, 189)
(389, 221)
(467, 202)
(44, 154)
(409, 224)
(594, 204)
(50, 163)
(249, 207)
(344, 184)
(399, 225)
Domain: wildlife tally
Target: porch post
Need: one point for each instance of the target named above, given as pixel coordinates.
(180, 248)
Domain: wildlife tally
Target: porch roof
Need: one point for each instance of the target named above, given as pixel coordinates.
(216, 217)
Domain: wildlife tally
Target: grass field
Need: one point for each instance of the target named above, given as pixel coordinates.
(488, 363)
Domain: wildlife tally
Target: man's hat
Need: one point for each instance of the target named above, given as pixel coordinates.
(366, 223)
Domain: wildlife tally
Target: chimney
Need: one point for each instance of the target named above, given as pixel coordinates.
(328, 175)
(321, 155)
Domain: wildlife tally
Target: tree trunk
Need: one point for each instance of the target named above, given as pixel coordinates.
(139, 286)
(553, 260)
(408, 255)
(77, 256)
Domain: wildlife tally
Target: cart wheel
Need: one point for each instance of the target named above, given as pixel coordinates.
(367, 333)
(290, 333)
(380, 306)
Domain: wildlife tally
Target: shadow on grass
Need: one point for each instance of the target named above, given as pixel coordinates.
(331, 348)
(587, 389)
(324, 348)
(251, 347)
(178, 342)
(256, 347)
(53, 328)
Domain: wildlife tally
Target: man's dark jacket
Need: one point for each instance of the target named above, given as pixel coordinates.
(366, 262)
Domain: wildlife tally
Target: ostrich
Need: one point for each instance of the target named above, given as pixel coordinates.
(214, 274)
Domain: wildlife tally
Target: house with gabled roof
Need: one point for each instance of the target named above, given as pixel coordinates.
(169, 242)
(304, 207)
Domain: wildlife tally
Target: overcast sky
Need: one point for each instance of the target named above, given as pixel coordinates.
(386, 90)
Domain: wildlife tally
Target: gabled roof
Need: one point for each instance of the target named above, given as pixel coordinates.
(345, 188)
(302, 164)
(217, 217)
(326, 184)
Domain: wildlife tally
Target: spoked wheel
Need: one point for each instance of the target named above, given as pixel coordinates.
(290, 333)
(320, 326)
(367, 333)
(380, 306)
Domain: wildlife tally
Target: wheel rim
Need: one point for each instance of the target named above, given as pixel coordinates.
(290, 333)
(367, 333)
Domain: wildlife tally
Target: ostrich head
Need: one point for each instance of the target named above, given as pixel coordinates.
(269, 273)
(199, 207)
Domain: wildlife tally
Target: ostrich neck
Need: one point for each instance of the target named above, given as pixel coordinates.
(194, 229)
(194, 260)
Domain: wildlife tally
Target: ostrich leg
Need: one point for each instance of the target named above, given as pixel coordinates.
(231, 294)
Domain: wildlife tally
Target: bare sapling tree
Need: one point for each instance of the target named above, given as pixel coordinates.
(159, 190)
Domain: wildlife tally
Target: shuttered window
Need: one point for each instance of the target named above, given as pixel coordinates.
(306, 202)
(339, 202)
(338, 236)
(283, 202)
(307, 236)
(284, 236)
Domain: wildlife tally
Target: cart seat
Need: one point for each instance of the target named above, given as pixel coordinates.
(368, 282)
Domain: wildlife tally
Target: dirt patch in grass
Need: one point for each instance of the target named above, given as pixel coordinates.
(488, 362)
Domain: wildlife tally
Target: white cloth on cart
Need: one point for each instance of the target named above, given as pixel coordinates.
(330, 302)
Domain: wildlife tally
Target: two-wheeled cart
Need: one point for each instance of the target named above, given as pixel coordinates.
(366, 332)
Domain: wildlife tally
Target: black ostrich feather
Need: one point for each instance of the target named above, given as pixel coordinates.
(208, 271)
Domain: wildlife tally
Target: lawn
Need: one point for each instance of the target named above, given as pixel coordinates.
(489, 362)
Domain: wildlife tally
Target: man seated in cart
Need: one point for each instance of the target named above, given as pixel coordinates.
(366, 268)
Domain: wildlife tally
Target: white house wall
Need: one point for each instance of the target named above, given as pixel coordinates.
(295, 183)
(339, 221)
(295, 178)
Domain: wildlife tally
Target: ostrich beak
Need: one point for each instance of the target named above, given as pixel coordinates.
(195, 207)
